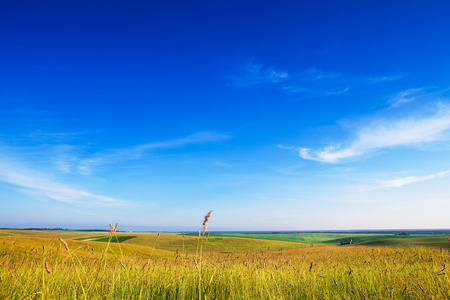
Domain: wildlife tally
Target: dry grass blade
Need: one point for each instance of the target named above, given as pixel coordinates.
(196, 265)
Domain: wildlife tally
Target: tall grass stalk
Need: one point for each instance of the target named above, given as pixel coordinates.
(74, 265)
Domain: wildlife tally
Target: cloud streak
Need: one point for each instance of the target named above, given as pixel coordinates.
(400, 182)
(39, 135)
(404, 97)
(315, 82)
(255, 74)
(312, 82)
(385, 134)
(132, 153)
(38, 183)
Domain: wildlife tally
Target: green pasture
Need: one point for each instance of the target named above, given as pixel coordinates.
(437, 241)
(317, 239)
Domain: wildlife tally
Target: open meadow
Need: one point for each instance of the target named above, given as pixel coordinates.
(94, 265)
(317, 131)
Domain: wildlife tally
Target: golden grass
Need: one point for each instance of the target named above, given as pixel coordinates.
(308, 273)
(55, 267)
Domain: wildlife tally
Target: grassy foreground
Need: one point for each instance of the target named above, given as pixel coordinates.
(39, 266)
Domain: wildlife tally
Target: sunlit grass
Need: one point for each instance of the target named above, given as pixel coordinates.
(93, 270)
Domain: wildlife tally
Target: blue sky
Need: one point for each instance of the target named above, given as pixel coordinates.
(291, 115)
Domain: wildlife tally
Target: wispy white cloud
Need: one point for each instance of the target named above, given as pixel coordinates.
(314, 74)
(400, 182)
(58, 136)
(286, 171)
(40, 184)
(404, 97)
(255, 74)
(65, 157)
(385, 134)
(312, 82)
(221, 163)
(384, 78)
(136, 152)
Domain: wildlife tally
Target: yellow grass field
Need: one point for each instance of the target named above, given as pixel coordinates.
(38, 265)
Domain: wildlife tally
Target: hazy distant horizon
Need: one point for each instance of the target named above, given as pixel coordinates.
(187, 230)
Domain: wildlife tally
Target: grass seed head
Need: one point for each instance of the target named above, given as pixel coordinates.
(143, 268)
(47, 268)
(113, 228)
(64, 243)
(207, 218)
(208, 215)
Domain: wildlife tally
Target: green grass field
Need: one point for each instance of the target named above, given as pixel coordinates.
(37, 265)
(317, 239)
